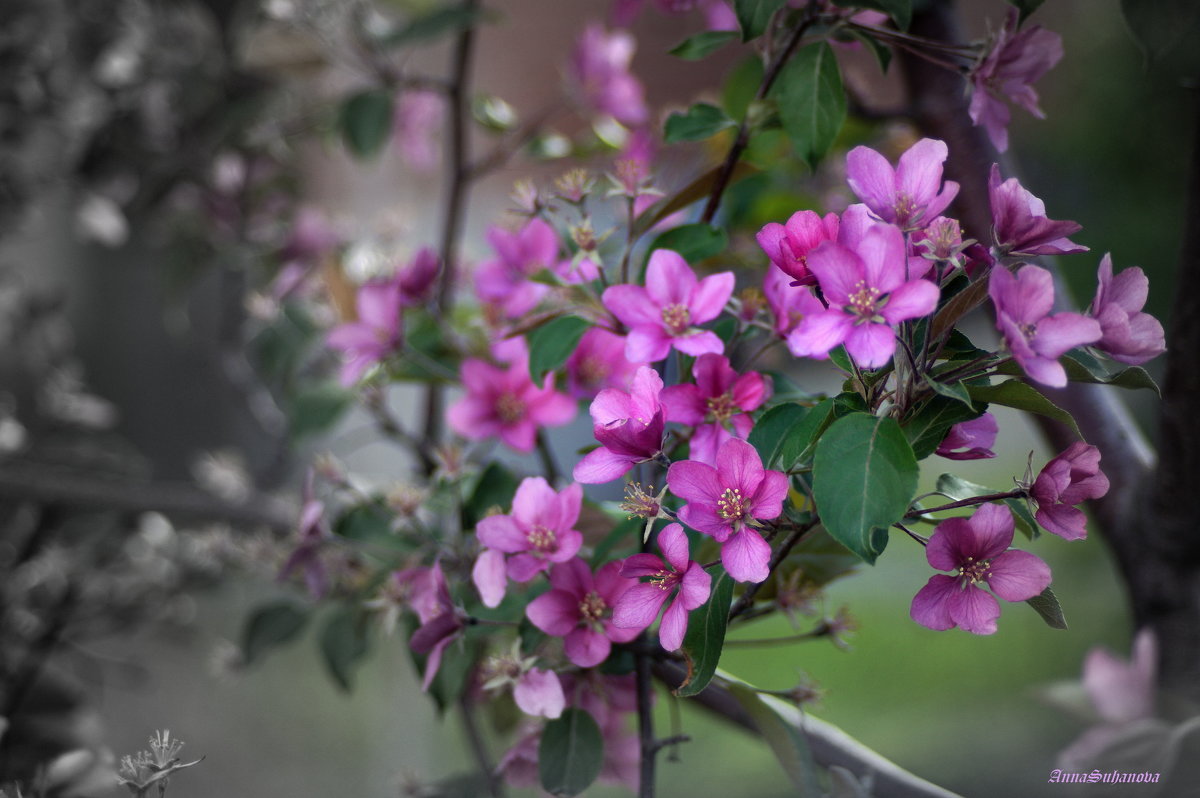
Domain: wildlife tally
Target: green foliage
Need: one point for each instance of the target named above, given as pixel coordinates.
(1022, 396)
(365, 122)
(1026, 7)
(864, 477)
(699, 122)
(1046, 605)
(316, 408)
(927, 428)
(821, 558)
(437, 23)
(344, 644)
(551, 344)
(571, 753)
(754, 15)
(1082, 367)
(495, 488)
(703, 44)
(771, 431)
(811, 101)
(694, 242)
(370, 522)
(706, 635)
(270, 626)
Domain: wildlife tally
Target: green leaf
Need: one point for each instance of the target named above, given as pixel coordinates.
(883, 53)
(495, 488)
(1168, 32)
(694, 242)
(953, 390)
(927, 429)
(365, 523)
(771, 430)
(864, 477)
(441, 21)
(366, 122)
(958, 489)
(270, 626)
(1046, 604)
(316, 408)
(551, 344)
(1022, 396)
(821, 558)
(753, 16)
(1082, 367)
(1026, 7)
(787, 741)
(344, 645)
(696, 47)
(699, 122)
(812, 104)
(899, 10)
(801, 437)
(698, 189)
(571, 753)
(706, 636)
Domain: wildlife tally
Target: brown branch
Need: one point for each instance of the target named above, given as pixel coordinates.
(458, 171)
(42, 484)
(829, 745)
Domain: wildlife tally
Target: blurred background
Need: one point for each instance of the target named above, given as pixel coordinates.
(154, 160)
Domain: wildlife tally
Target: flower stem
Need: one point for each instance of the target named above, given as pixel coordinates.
(973, 501)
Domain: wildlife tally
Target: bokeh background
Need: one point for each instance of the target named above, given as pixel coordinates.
(146, 312)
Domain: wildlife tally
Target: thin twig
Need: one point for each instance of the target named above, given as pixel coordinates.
(478, 749)
(746, 599)
(971, 502)
(743, 136)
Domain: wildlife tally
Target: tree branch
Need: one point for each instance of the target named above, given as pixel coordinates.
(829, 745)
(26, 481)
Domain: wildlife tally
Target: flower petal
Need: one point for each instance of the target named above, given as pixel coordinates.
(1018, 576)
(931, 606)
(489, 576)
(746, 556)
(639, 606)
(555, 612)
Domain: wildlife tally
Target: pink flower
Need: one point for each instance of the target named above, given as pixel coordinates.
(629, 427)
(1069, 479)
(503, 281)
(607, 698)
(306, 556)
(664, 313)
(415, 126)
(310, 238)
(1035, 338)
(417, 278)
(519, 765)
(907, 195)
(600, 65)
(1128, 335)
(970, 440)
(537, 532)
(536, 691)
(1123, 694)
(712, 405)
(724, 503)
(977, 548)
(789, 304)
(599, 362)
(1020, 224)
(640, 605)
(504, 402)
(788, 245)
(376, 334)
(440, 623)
(717, 13)
(579, 609)
(868, 294)
(1015, 61)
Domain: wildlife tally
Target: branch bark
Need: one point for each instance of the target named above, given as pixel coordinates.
(829, 745)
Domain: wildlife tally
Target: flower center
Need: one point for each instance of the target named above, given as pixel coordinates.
(640, 502)
(721, 408)
(975, 570)
(732, 506)
(1028, 330)
(906, 209)
(663, 580)
(510, 408)
(592, 607)
(542, 538)
(593, 370)
(677, 318)
(864, 302)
